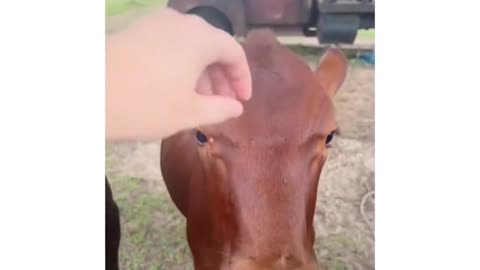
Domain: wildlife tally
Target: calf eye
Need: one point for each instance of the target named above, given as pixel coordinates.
(202, 139)
(330, 137)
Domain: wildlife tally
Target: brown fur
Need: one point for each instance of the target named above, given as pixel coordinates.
(249, 194)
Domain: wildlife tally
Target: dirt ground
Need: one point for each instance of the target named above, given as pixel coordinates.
(153, 230)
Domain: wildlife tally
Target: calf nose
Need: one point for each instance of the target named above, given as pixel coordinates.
(287, 261)
(284, 262)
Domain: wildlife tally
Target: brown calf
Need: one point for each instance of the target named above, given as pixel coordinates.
(248, 186)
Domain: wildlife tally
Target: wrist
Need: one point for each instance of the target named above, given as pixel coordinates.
(116, 89)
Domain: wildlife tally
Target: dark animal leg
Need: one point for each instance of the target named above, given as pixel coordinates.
(112, 229)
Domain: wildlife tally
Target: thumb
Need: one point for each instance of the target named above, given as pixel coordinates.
(216, 109)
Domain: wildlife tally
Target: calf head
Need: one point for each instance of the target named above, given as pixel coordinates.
(248, 186)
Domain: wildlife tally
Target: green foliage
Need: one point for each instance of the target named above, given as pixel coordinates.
(366, 34)
(115, 7)
(153, 231)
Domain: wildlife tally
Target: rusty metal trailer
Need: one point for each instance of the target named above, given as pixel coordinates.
(332, 21)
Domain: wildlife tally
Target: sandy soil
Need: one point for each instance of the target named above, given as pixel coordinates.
(344, 238)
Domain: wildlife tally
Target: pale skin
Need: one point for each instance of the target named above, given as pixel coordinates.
(169, 72)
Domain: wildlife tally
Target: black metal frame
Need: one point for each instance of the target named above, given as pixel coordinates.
(346, 6)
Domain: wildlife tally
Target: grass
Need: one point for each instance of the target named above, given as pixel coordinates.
(121, 13)
(337, 245)
(366, 34)
(153, 230)
(117, 7)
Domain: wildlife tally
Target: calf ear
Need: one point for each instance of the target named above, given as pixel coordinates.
(331, 70)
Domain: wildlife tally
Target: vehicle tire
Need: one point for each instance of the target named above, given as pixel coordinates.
(337, 28)
(214, 17)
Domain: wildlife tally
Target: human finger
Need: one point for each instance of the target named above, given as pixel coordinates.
(225, 51)
(216, 109)
(220, 84)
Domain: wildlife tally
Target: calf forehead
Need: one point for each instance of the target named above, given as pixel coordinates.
(286, 103)
(281, 109)
(274, 120)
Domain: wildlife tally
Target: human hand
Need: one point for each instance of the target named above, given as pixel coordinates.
(170, 72)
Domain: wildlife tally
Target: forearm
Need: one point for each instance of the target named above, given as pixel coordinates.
(128, 107)
(116, 94)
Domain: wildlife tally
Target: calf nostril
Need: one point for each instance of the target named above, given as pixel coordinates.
(289, 261)
(286, 258)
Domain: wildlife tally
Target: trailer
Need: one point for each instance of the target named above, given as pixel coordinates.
(331, 21)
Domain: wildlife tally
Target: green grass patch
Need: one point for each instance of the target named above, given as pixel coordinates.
(116, 7)
(338, 245)
(153, 231)
(366, 34)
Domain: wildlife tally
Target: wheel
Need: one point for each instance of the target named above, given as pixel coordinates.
(214, 17)
(337, 28)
